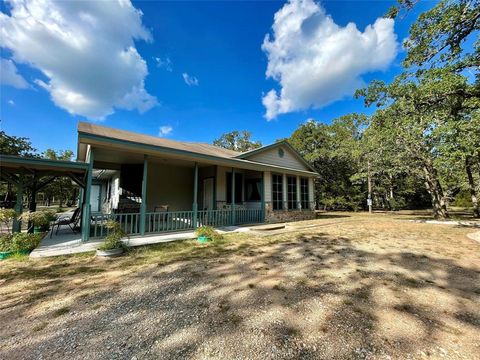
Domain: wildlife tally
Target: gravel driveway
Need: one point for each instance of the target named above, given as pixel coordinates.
(354, 288)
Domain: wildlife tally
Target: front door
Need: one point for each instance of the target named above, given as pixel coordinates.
(208, 193)
(95, 198)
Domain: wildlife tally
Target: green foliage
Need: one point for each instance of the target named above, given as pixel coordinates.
(463, 199)
(114, 238)
(19, 242)
(208, 232)
(14, 145)
(61, 188)
(6, 217)
(41, 218)
(238, 141)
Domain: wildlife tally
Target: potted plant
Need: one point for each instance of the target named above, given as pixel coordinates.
(5, 246)
(113, 245)
(20, 243)
(206, 233)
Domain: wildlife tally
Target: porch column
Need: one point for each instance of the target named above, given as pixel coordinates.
(284, 192)
(86, 199)
(195, 193)
(17, 224)
(143, 205)
(262, 187)
(234, 220)
(299, 199)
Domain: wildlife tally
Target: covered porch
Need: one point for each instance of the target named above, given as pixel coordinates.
(157, 194)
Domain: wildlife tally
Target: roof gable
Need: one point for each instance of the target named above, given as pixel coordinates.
(280, 153)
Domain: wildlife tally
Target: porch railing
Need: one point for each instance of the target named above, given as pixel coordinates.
(248, 216)
(130, 223)
(214, 218)
(160, 222)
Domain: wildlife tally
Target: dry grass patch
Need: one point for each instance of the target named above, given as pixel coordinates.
(343, 286)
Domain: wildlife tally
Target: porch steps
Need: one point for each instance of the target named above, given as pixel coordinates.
(268, 227)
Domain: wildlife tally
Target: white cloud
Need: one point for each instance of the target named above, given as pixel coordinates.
(11, 102)
(10, 76)
(316, 61)
(165, 130)
(164, 63)
(190, 80)
(86, 51)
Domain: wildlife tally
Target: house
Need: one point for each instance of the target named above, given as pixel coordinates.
(152, 185)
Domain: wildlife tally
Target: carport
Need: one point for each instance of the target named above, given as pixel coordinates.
(35, 173)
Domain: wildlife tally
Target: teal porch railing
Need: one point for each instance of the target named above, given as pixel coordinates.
(248, 216)
(169, 221)
(158, 222)
(130, 223)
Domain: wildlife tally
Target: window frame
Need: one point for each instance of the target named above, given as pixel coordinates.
(277, 192)
(304, 192)
(292, 192)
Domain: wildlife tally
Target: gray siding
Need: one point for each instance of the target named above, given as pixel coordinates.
(271, 156)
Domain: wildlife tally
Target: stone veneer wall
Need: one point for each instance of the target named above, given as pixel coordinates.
(287, 215)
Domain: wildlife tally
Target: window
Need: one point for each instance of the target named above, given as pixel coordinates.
(277, 191)
(238, 188)
(292, 192)
(253, 189)
(304, 192)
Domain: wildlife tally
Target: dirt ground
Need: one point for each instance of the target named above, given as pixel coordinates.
(345, 286)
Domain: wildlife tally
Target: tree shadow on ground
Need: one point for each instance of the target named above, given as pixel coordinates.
(312, 296)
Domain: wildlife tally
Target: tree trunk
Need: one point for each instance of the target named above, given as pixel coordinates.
(471, 186)
(434, 188)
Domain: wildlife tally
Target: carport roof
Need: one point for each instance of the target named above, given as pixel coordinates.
(23, 165)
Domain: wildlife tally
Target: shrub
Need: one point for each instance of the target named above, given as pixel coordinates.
(19, 242)
(208, 232)
(5, 242)
(40, 218)
(114, 238)
(7, 216)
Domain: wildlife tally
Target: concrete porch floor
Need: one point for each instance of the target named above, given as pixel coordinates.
(66, 242)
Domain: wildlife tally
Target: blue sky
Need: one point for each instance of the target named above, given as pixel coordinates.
(206, 70)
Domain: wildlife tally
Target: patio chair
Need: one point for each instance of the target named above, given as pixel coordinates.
(71, 221)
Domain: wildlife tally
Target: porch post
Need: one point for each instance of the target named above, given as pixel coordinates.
(17, 224)
(299, 197)
(263, 196)
(143, 205)
(234, 220)
(195, 192)
(86, 199)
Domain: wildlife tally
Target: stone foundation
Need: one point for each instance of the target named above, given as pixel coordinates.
(288, 215)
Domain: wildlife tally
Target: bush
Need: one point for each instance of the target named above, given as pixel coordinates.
(208, 232)
(40, 218)
(19, 242)
(114, 238)
(7, 216)
(5, 242)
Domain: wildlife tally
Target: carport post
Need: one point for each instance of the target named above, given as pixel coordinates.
(17, 224)
(86, 199)
(143, 205)
(195, 192)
